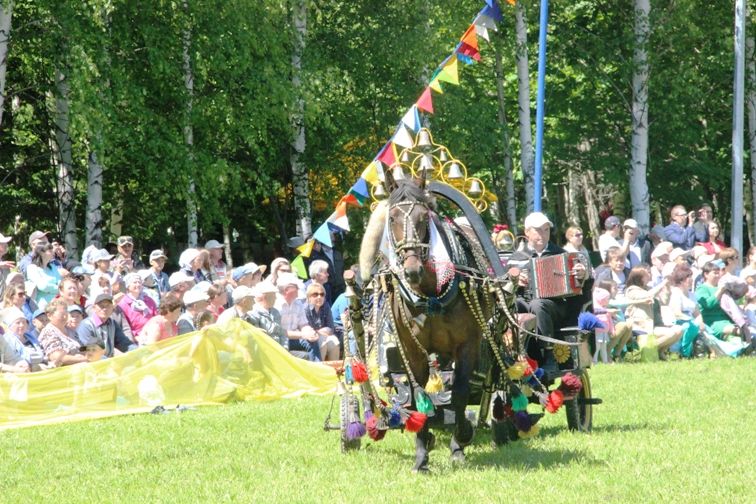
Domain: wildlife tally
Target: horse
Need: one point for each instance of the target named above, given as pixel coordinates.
(426, 320)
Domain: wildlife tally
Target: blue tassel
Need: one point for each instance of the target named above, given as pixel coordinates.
(395, 418)
(588, 322)
(539, 373)
(348, 375)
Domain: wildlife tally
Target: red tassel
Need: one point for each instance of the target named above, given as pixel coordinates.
(372, 429)
(415, 421)
(571, 385)
(533, 365)
(359, 372)
(555, 401)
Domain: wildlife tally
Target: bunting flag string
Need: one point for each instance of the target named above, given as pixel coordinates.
(467, 51)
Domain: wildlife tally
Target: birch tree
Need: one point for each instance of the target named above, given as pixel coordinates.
(63, 161)
(511, 203)
(751, 107)
(6, 12)
(191, 196)
(299, 170)
(523, 92)
(639, 196)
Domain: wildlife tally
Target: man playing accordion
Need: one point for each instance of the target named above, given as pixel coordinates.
(552, 314)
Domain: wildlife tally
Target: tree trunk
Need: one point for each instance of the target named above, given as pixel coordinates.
(6, 12)
(94, 200)
(523, 92)
(191, 196)
(639, 196)
(298, 169)
(511, 203)
(573, 195)
(591, 207)
(64, 163)
(751, 105)
(227, 246)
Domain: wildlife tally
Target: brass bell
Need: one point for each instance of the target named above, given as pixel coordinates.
(404, 157)
(443, 157)
(397, 172)
(423, 138)
(455, 172)
(475, 190)
(426, 163)
(379, 193)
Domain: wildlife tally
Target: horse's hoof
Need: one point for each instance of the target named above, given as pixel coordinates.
(421, 470)
(458, 457)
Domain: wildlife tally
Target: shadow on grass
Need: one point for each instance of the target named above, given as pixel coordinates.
(608, 429)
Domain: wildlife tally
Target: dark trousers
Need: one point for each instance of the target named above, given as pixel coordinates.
(551, 316)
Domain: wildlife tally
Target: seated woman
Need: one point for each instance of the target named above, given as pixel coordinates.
(683, 304)
(44, 274)
(641, 312)
(709, 295)
(15, 355)
(163, 325)
(612, 269)
(320, 319)
(60, 349)
(715, 243)
(15, 297)
(137, 307)
(574, 235)
(610, 341)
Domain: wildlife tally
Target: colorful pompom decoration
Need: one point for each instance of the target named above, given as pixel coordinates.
(519, 403)
(516, 370)
(348, 374)
(498, 411)
(373, 431)
(534, 430)
(571, 385)
(423, 403)
(415, 421)
(355, 430)
(522, 421)
(554, 401)
(588, 322)
(526, 390)
(395, 418)
(359, 372)
(435, 384)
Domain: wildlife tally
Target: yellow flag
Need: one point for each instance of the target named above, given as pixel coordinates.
(435, 85)
(449, 73)
(306, 249)
(370, 174)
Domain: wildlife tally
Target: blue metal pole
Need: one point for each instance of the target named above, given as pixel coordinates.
(538, 175)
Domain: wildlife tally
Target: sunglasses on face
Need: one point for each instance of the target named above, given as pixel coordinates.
(20, 294)
(317, 294)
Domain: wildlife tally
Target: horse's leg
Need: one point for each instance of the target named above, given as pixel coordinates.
(424, 442)
(463, 429)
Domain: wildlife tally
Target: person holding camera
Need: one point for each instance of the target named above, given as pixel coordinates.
(680, 230)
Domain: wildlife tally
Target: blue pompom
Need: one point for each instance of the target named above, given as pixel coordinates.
(539, 373)
(588, 322)
(395, 419)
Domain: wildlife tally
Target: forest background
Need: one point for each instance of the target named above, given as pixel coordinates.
(181, 121)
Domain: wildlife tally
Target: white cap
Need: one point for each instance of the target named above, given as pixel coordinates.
(187, 256)
(5, 239)
(263, 288)
(213, 244)
(630, 223)
(677, 252)
(241, 292)
(698, 251)
(101, 255)
(664, 248)
(12, 314)
(194, 296)
(286, 278)
(179, 277)
(536, 220)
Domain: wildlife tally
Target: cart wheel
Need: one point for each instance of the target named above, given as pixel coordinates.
(348, 405)
(580, 410)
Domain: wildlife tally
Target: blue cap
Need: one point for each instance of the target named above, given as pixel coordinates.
(719, 263)
(37, 313)
(239, 272)
(83, 269)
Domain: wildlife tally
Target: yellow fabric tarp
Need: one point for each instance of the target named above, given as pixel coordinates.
(234, 362)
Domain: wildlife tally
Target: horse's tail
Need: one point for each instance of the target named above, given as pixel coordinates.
(371, 241)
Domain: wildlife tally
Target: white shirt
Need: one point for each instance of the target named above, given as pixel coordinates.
(607, 241)
(293, 316)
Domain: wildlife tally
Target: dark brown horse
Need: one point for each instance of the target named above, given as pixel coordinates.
(428, 317)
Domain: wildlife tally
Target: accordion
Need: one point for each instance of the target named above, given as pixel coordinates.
(550, 276)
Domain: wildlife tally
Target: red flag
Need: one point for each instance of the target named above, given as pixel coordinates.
(468, 50)
(387, 155)
(425, 102)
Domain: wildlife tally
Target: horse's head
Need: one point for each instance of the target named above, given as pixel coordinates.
(409, 213)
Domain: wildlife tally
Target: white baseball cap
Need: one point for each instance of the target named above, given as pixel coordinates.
(536, 220)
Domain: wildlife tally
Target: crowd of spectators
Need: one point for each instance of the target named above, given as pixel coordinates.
(679, 289)
(58, 312)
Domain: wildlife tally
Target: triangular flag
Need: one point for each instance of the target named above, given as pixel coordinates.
(436, 86)
(482, 32)
(425, 102)
(323, 235)
(467, 60)
(402, 137)
(412, 119)
(511, 2)
(306, 248)
(387, 156)
(339, 219)
(350, 199)
(492, 10)
(468, 51)
(360, 188)
(298, 266)
(470, 37)
(371, 173)
(486, 22)
(450, 72)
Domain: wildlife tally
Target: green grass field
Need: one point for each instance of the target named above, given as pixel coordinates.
(670, 431)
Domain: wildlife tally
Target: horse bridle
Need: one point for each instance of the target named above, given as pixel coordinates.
(410, 240)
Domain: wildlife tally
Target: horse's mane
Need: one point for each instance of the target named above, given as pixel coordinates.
(407, 190)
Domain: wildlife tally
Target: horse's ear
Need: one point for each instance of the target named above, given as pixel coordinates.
(388, 179)
(422, 180)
